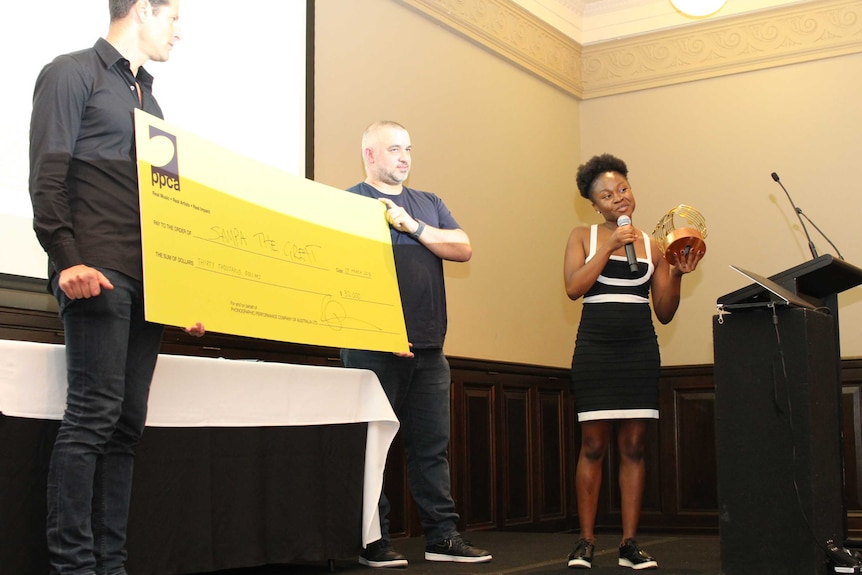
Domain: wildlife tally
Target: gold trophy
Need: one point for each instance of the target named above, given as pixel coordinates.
(680, 231)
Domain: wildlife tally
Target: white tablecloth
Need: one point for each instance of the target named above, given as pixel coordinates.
(203, 392)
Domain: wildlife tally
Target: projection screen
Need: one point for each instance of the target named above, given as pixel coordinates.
(237, 78)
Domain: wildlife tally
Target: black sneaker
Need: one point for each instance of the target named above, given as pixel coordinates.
(582, 556)
(381, 554)
(842, 560)
(632, 556)
(457, 550)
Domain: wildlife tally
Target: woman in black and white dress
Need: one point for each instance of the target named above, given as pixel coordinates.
(615, 366)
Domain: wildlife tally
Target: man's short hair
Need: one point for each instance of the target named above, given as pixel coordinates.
(372, 129)
(120, 8)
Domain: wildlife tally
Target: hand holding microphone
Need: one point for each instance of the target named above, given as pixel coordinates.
(631, 258)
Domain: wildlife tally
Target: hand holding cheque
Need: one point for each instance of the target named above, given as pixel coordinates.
(255, 251)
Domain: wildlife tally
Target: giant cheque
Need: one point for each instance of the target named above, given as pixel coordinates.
(248, 249)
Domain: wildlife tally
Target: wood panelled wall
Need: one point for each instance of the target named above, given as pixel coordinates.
(515, 438)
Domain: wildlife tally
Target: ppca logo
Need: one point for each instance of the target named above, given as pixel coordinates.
(164, 167)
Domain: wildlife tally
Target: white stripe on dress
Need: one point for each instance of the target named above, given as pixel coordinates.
(618, 414)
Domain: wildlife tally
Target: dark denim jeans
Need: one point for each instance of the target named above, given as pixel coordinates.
(110, 357)
(418, 389)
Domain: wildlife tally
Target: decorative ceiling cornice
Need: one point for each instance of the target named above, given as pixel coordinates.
(706, 49)
(515, 34)
(742, 43)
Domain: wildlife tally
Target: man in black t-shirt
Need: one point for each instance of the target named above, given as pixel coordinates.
(424, 233)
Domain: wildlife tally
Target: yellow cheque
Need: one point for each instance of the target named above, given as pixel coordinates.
(251, 250)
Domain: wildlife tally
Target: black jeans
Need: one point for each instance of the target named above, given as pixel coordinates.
(110, 357)
(418, 389)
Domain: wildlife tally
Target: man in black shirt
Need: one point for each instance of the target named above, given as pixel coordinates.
(84, 190)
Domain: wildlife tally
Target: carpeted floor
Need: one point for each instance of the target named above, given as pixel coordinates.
(532, 554)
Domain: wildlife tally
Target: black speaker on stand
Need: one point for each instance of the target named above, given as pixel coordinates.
(778, 423)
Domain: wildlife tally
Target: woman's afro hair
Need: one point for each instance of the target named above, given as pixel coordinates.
(589, 171)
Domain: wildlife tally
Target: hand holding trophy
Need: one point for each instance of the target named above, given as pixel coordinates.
(680, 232)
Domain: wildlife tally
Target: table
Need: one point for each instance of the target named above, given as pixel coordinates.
(222, 435)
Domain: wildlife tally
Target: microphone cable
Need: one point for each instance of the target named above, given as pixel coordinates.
(789, 421)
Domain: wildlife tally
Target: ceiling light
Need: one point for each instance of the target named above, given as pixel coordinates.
(698, 7)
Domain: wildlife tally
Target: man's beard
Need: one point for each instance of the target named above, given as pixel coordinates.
(393, 178)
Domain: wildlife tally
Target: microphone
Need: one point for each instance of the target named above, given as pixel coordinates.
(630, 248)
(799, 216)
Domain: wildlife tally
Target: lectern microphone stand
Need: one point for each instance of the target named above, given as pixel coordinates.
(778, 421)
